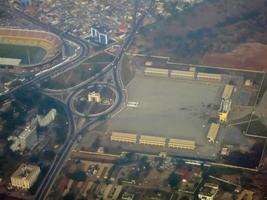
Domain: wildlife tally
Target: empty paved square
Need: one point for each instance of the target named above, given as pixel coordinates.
(169, 108)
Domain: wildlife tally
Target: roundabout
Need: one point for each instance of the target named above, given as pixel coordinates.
(95, 100)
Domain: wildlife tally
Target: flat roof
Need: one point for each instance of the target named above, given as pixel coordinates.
(227, 93)
(10, 61)
(121, 134)
(152, 69)
(180, 141)
(213, 131)
(25, 171)
(153, 138)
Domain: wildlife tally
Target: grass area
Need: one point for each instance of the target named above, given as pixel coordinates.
(127, 71)
(27, 54)
(104, 57)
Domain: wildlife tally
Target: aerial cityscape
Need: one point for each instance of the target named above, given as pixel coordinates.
(133, 100)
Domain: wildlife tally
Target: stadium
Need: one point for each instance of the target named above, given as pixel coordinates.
(25, 49)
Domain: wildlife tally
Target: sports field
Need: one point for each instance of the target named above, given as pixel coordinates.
(27, 54)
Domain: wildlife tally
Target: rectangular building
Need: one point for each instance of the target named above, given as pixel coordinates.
(213, 132)
(227, 92)
(182, 74)
(25, 176)
(150, 71)
(209, 76)
(123, 137)
(152, 140)
(182, 144)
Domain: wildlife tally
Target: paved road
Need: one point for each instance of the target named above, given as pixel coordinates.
(73, 135)
(75, 61)
(68, 146)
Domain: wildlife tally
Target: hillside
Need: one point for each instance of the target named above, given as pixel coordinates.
(204, 32)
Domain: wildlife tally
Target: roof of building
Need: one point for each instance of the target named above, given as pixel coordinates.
(213, 131)
(100, 28)
(245, 195)
(10, 61)
(125, 135)
(188, 174)
(152, 69)
(25, 171)
(227, 93)
(180, 141)
(208, 190)
(153, 138)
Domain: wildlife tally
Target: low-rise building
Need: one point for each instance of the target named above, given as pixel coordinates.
(182, 144)
(123, 137)
(127, 196)
(152, 140)
(26, 139)
(44, 121)
(25, 176)
(150, 71)
(208, 191)
(94, 97)
(245, 195)
(209, 77)
(179, 74)
(213, 132)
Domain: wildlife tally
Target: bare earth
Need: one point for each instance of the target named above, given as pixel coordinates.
(250, 56)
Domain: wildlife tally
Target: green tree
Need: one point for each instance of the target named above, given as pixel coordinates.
(174, 180)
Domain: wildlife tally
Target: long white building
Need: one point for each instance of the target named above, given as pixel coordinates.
(123, 137)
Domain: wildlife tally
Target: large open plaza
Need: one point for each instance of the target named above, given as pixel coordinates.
(169, 108)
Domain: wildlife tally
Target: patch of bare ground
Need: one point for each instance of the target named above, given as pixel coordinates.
(217, 33)
(250, 56)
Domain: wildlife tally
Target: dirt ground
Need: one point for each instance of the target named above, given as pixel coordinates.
(250, 56)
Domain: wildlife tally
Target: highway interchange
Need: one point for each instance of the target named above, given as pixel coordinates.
(81, 53)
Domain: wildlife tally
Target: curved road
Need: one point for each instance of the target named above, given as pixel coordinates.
(73, 135)
(81, 56)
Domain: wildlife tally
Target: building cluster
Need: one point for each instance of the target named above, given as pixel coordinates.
(191, 74)
(165, 7)
(208, 191)
(25, 176)
(77, 17)
(28, 139)
(153, 141)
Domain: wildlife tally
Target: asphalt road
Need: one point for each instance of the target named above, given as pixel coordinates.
(81, 55)
(73, 135)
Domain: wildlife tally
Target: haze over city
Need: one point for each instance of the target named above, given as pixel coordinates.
(133, 100)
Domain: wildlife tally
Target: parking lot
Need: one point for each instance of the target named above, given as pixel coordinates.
(169, 108)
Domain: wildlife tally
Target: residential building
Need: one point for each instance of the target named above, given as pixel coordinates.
(25, 176)
(208, 191)
(26, 139)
